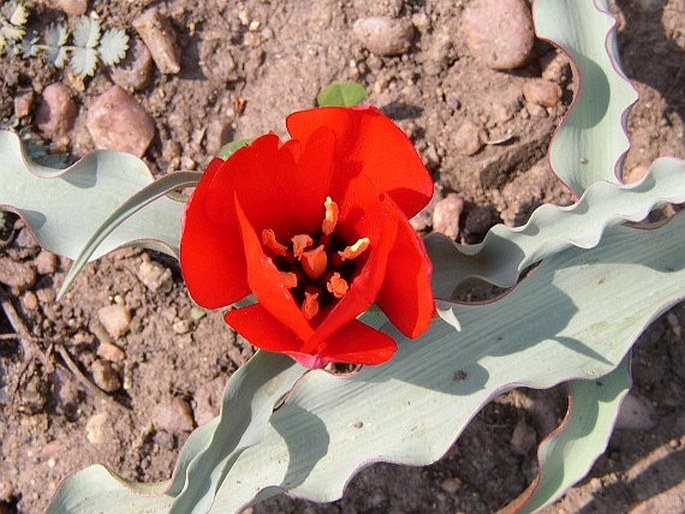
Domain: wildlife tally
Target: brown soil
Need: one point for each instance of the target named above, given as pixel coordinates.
(54, 421)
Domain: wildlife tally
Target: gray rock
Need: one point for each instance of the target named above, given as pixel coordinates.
(116, 121)
(160, 39)
(384, 36)
(542, 92)
(57, 111)
(115, 318)
(437, 55)
(469, 137)
(208, 399)
(23, 103)
(155, 276)
(29, 301)
(636, 413)
(135, 72)
(524, 437)
(173, 415)
(95, 428)
(499, 33)
(446, 215)
(105, 377)
(46, 262)
(110, 352)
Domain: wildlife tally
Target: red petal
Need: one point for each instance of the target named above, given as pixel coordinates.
(283, 187)
(212, 257)
(267, 283)
(263, 330)
(368, 138)
(358, 343)
(361, 214)
(406, 296)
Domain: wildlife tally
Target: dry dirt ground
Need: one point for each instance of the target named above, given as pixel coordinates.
(245, 66)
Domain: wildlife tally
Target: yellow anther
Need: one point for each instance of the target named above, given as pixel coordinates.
(330, 219)
(355, 250)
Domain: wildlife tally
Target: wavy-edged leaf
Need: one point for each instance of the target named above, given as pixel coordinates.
(342, 93)
(57, 56)
(64, 207)
(20, 14)
(247, 403)
(83, 61)
(575, 317)
(113, 46)
(567, 455)
(506, 251)
(158, 189)
(87, 32)
(591, 141)
(56, 35)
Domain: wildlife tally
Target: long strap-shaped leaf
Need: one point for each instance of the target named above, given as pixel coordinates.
(507, 251)
(247, 404)
(591, 142)
(567, 455)
(158, 189)
(64, 207)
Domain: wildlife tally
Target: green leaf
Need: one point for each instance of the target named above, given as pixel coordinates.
(57, 56)
(591, 142)
(230, 148)
(19, 14)
(158, 189)
(342, 93)
(113, 46)
(87, 32)
(506, 252)
(56, 35)
(567, 455)
(64, 207)
(575, 317)
(247, 404)
(84, 61)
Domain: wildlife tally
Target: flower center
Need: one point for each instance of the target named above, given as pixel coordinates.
(318, 268)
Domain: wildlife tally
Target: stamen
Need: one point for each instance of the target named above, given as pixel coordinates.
(314, 262)
(290, 279)
(331, 217)
(269, 240)
(355, 250)
(300, 243)
(337, 285)
(310, 306)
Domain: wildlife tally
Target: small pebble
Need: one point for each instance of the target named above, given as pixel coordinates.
(57, 111)
(46, 262)
(23, 103)
(535, 110)
(116, 121)
(115, 318)
(135, 72)
(19, 275)
(446, 215)
(160, 39)
(499, 33)
(110, 352)
(173, 415)
(384, 36)
(105, 377)
(95, 428)
(154, 276)
(468, 138)
(555, 67)
(542, 92)
(636, 413)
(29, 301)
(437, 55)
(524, 437)
(181, 326)
(451, 485)
(218, 134)
(73, 7)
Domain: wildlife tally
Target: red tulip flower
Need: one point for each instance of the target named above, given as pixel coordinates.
(317, 229)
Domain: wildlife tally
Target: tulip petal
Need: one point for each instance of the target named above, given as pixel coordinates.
(358, 343)
(212, 256)
(369, 138)
(406, 296)
(267, 283)
(262, 329)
